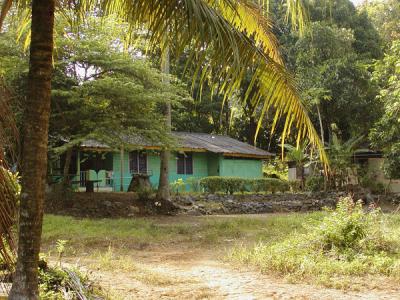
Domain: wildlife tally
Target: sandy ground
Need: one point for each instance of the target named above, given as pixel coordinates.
(201, 274)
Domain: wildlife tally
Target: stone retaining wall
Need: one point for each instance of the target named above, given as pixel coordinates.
(112, 205)
(256, 203)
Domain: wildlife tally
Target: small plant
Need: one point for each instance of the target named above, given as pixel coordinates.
(145, 193)
(194, 184)
(295, 186)
(314, 183)
(60, 248)
(178, 185)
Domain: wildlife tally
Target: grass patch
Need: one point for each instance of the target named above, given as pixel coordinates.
(331, 250)
(86, 234)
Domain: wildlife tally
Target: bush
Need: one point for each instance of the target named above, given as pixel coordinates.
(231, 185)
(228, 185)
(347, 242)
(145, 193)
(272, 185)
(314, 183)
(295, 186)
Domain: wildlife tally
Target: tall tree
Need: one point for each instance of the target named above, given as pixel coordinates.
(163, 193)
(385, 135)
(34, 155)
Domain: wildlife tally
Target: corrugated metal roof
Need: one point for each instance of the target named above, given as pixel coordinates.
(200, 141)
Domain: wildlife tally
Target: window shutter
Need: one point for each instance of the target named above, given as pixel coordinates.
(142, 162)
(189, 164)
(133, 162)
(180, 164)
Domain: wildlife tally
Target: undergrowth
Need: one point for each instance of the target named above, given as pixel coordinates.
(347, 242)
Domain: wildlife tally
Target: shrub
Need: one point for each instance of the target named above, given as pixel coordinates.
(268, 185)
(314, 183)
(178, 186)
(145, 193)
(368, 180)
(228, 185)
(347, 242)
(231, 185)
(295, 186)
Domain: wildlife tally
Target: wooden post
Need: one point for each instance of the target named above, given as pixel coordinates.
(122, 169)
(78, 165)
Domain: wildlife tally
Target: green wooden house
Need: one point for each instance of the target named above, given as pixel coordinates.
(197, 155)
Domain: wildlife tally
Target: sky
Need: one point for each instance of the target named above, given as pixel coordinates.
(356, 2)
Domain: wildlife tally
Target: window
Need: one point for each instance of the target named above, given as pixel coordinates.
(185, 163)
(138, 162)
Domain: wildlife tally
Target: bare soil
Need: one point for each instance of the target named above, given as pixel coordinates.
(177, 273)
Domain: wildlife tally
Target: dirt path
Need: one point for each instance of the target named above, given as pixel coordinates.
(195, 274)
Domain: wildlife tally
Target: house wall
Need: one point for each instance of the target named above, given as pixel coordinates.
(246, 168)
(375, 166)
(213, 164)
(200, 168)
(204, 164)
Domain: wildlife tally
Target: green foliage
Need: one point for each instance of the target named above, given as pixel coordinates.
(314, 183)
(295, 186)
(349, 230)
(385, 15)
(60, 247)
(60, 283)
(178, 186)
(272, 185)
(386, 132)
(276, 168)
(194, 184)
(145, 193)
(367, 179)
(391, 165)
(230, 185)
(340, 157)
(346, 242)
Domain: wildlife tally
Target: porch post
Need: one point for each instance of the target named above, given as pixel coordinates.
(122, 169)
(78, 164)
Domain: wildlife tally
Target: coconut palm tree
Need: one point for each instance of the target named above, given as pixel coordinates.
(236, 31)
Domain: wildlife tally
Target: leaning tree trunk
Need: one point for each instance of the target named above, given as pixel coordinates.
(323, 145)
(163, 193)
(34, 155)
(321, 126)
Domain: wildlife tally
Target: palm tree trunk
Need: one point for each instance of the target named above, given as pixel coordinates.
(34, 155)
(163, 193)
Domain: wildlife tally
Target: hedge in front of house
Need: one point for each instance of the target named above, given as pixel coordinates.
(271, 185)
(230, 185)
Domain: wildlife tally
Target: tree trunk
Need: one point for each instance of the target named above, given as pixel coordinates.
(323, 144)
(252, 129)
(34, 155)
(320, 126)
(163, 193)
(67, 163)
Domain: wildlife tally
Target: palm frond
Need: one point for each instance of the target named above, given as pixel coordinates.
(8, 185)
(239, 36)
